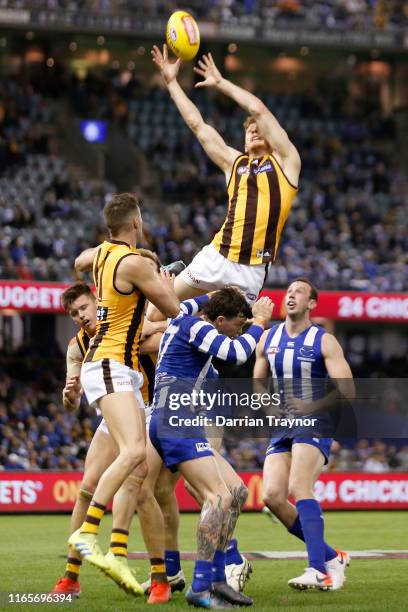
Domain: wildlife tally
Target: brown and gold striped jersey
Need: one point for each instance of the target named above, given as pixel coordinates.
(260, 198)
(148, 368)
(119, 315)
(82, 339)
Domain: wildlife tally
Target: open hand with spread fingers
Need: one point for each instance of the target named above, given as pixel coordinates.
(209, 71)
(168, 70)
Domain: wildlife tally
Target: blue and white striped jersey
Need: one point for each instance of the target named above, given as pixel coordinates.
(189, 344)
(296, 364)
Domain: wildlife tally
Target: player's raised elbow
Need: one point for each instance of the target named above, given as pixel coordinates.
(258, 109)
(84, 261)
(79, 264)
(195, 122)
(241, 357)
(240, 361)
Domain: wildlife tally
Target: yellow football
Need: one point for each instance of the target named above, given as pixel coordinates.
(183, 35)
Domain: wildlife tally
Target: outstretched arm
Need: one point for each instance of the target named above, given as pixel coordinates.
(211, 141)
(205, 337)
(267, 123)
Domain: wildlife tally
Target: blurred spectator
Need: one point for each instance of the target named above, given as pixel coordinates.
(351, 14)
(36, 433)
(376, 462)
(348, 182)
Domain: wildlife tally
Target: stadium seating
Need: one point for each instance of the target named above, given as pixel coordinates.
(36, 434)
(350, 14)
(348, 181)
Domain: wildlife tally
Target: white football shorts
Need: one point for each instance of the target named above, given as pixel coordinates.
(105, 376)
(211, 271)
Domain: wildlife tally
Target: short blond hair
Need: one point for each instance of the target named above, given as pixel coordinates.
(119, 210)
(248, 122)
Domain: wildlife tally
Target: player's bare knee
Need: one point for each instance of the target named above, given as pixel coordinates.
(89, 482)
(162, 494)
(140, 473)
(131, 458)
(132, 485)
(273, 497)
(144, 497)
(299, 489)
(220, 496)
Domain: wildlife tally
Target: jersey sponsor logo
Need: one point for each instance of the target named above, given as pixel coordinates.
(202, 446)
(101, 313)
(291, 344)
(123, 383)
(266, 167)
(243, 170)
(263, 254)
(272, 350)
(307, 351)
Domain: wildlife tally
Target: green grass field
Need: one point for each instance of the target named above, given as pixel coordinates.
(33, 548)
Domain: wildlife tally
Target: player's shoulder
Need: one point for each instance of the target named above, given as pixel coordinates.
(319, 330)
(187, 321)
(271, 331)
(75, 352)
(132, 262)
(330, 342)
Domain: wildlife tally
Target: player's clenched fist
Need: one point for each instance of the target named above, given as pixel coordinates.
(71, 393)
(262, 311)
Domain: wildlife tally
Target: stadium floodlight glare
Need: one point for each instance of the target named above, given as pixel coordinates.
(94, 131)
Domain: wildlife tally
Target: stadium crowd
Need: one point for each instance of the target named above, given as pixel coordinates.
(36, 433)
(47, 216)
(347, 14)
(349, 181)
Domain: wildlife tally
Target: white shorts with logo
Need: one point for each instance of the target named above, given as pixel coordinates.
(105, 376)
(210, 271)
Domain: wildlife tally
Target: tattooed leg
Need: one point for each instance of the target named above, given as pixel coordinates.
(204, 476)
(239, 495)
(212, 520)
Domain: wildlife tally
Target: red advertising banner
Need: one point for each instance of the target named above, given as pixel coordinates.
(31, 296)
(57, 491)
(336, 305)
(352, 306)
